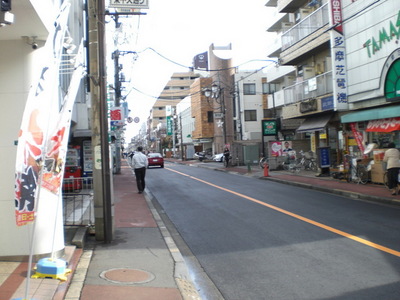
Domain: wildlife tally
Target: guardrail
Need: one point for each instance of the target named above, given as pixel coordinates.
(78, 201)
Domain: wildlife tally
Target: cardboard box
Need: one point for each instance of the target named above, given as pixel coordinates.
(378, 155)
(377, 173)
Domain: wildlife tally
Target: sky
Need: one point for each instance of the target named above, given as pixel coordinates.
(181, 29)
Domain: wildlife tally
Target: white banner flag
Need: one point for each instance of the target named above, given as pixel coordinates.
(57, 145)
(34, 126)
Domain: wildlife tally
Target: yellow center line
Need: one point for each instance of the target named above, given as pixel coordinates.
(320, 225)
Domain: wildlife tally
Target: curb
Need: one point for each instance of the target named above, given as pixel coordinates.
(345, 193)
(181, 272)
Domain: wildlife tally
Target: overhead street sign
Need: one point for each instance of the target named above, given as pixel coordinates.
(129, 3)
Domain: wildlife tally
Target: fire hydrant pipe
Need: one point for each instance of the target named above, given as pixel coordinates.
(266, 170)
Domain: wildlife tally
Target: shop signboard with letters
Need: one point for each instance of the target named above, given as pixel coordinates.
(139, 4)
(269, 127)
(338, 53)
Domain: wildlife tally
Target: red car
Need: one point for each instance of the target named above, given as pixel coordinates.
(155, 159)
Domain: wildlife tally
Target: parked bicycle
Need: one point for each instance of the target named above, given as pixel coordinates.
(262, 162)
(307, 161)
(290, 163)
(358, 172)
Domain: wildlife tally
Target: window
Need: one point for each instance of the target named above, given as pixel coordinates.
(269, 88)
(250, 115)
(249, 88)
(210, 116)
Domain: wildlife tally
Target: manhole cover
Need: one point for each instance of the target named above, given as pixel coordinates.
(127, 276)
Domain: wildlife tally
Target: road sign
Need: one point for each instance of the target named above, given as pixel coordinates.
(129, 4)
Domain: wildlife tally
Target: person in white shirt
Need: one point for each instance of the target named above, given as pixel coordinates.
(392, 158)
(139, 164)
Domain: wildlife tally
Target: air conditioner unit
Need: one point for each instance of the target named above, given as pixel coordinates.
(289, 80)
(302, 13)
(308, 72)
(286, 26)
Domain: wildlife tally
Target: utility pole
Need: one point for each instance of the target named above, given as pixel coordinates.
(117, 89)
(182, 155)
(102, 187)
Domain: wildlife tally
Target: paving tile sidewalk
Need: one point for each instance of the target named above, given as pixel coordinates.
(142, 262)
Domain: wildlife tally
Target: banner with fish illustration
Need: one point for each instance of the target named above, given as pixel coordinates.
(34, 126)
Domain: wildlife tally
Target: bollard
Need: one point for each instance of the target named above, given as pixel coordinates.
(266, 170)
(248, 167)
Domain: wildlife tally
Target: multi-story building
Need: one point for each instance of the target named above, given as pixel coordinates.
(310, 92)
(250, 108)
(202, 111)
(372, 31)
(176, 89)
(184, 127)
(345, 55)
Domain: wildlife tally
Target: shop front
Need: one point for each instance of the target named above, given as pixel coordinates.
(369, 133)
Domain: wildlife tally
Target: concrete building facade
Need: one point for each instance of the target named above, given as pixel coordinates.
(343, 55)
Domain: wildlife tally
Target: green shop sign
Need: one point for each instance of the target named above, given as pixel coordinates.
(169, 125)
(269, 127)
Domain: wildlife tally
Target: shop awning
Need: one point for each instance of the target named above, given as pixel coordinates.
(372, 114)
(384, 125)
(312, 124)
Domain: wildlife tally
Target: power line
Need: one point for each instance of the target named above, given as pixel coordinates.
(191, 94)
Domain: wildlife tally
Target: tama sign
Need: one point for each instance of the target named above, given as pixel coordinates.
(385, 35)
(129, 4)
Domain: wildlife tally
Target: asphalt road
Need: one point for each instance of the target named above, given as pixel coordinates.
(257, 239)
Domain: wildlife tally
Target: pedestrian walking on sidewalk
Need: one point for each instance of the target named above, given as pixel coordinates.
(392, 158)
(227, 156)
(139, 164)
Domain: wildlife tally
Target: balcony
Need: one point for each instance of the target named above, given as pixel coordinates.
(305, 27)
(290, 5)
(275, 46)
(311, 88)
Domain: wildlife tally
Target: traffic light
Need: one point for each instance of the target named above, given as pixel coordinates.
(5, 5)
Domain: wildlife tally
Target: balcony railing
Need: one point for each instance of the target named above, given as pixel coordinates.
(305, 27)
(310, 88)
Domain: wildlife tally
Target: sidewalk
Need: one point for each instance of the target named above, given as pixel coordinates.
(143, 262)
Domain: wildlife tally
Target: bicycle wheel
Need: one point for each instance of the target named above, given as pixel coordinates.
(285, 166)
(362, 175)
(263, 161)
(313, 166)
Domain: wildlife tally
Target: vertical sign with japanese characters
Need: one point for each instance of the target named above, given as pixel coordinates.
(338, 51)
